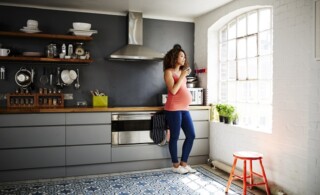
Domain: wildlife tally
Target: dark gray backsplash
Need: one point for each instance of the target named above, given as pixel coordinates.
(127, 83)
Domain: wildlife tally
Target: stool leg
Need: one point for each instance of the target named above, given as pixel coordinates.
(265, 178)
(244, 177)
(251, 174)
(231, 174)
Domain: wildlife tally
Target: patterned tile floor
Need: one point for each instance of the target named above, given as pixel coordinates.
(159, 181)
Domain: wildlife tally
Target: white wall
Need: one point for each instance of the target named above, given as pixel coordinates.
(291, 156)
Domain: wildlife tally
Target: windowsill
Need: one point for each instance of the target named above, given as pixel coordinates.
(246, 128)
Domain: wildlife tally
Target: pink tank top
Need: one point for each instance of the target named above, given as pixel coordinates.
(181, 100)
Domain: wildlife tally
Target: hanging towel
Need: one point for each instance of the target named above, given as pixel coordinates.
(159, 127)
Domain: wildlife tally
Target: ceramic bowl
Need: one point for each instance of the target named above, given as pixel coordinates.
(72, 74)
(81, 26)
(65, 77)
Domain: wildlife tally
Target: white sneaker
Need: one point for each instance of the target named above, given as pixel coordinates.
(180, 170)
(189, 169)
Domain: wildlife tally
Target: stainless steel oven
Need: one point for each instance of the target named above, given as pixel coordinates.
(131, 128)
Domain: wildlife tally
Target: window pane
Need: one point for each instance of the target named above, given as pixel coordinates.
(242, 26)
(252, 46)
(224, 34)
(223, 91)
(252, 88)
(252, 115)
(265, 117)
(232, 30)
(265, 67)
(265, 92)
(232, 89)
(241, 48)
(232, 76)
(241, 91)
(223, 52)
(232, 49)
(242, 70)
(264, 19)
(223, 71)
(265, 43)
(252, 68)
(252, 22)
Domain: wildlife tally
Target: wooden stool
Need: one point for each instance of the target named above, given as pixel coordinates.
(247, 156)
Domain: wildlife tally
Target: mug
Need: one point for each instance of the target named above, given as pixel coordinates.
(32, 24)
(4, 52)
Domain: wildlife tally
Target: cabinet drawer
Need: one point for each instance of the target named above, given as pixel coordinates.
(140, 152)
(88, 134)
(79, 155)
(200, 147)
(32, 158)
(88, 118)
(201, 129)
(200, 115)
(16, 120)
(22, 137)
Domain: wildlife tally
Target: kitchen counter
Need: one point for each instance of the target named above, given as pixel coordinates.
(89, 109)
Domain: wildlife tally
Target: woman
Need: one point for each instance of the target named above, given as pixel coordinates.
(176, 69)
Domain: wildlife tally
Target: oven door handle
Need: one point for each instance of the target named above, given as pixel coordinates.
(132, 117)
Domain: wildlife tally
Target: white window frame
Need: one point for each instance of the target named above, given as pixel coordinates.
(254, 113)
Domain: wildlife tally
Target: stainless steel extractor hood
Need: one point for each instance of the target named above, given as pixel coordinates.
(135, 49)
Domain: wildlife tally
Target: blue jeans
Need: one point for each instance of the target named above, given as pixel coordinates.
(177, 120)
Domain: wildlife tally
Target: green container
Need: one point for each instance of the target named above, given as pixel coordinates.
(100, 101)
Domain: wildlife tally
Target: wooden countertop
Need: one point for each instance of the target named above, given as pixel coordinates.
(89, 109)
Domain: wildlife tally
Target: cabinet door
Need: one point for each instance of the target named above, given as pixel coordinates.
(199, 115)
(200, 147)
(32, 158)
(88, 118)
(17, 120)
(80, 155)
(201, 129)
(142, 152)
(22, 137)
(88, 134)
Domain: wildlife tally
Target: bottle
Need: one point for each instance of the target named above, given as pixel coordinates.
(63, 49)
(70, 50)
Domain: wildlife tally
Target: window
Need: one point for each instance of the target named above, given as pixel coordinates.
(246, 68)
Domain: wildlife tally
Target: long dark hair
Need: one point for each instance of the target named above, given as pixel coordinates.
(171, 57)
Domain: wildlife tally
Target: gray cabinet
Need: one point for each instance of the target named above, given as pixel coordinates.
(90, 154)
(44, 119)
(88, 138)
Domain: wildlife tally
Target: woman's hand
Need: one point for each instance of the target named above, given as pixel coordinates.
(185, 72)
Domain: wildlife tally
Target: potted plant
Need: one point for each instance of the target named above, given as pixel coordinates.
(221, 108)
(229, 110)
(235, 118)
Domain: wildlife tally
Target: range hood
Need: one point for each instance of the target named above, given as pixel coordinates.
(135, 49)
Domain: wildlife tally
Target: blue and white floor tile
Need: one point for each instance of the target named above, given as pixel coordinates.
(160, 181)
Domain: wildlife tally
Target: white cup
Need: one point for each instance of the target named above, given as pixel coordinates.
(4, 52)
(32, 24)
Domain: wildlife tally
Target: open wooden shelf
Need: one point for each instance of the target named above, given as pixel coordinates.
(45, 36)
(42, 59)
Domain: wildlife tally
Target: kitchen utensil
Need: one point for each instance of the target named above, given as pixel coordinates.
(2, 73)
(23, 77)
(65, 77)
(77, 84)
(51, 77)
(44, 78)
(58, 77)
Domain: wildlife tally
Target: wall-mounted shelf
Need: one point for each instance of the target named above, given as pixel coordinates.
(45, 36)
(42, 59)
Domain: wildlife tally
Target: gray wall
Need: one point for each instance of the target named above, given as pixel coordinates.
(126, 83)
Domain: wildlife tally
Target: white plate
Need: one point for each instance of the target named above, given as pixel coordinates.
(86, 33)
(31, 54)
(92, 31)
(30, 31)
(28, 28)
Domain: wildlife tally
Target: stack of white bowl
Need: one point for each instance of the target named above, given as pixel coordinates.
(82, 29)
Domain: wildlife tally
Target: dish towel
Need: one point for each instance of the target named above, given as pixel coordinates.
(159, 127)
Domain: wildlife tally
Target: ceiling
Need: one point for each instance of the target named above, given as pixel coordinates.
(176, 10)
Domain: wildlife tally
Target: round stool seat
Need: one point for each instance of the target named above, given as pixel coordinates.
(248, 155)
